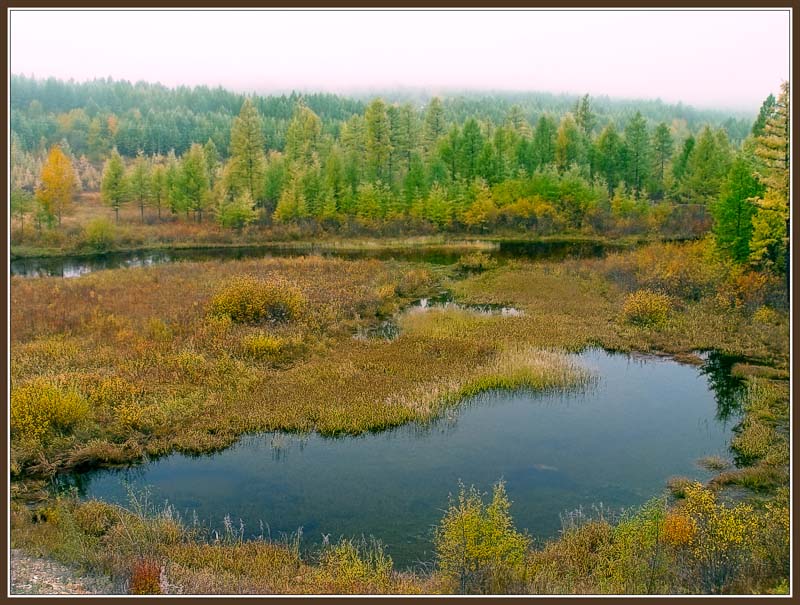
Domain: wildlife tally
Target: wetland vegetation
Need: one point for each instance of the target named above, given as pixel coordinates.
(386, 270)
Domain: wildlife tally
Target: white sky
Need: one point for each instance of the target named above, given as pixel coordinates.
(728, 59)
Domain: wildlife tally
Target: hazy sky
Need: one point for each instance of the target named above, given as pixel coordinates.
(708, 58)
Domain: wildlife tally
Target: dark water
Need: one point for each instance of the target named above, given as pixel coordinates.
(644, 420)
(74, 266)
(389, 329)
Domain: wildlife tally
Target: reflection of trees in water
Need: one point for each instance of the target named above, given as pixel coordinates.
(728, 390)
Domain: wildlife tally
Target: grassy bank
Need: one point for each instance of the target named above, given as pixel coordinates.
(117, 364)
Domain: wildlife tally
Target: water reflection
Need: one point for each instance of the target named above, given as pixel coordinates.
(75, 266)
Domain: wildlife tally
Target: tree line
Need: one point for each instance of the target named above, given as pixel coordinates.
(393, 164)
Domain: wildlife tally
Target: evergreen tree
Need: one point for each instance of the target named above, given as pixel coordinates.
(544, 142)
(584, 116)
(637, 151)
(733, 212)
(767, 108)
(662, 151)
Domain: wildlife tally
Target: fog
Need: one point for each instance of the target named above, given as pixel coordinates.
(728, 59)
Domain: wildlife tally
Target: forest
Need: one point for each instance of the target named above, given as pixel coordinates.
(535, 163)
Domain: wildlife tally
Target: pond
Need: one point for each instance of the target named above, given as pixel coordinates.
(75, 266)
(644, 419)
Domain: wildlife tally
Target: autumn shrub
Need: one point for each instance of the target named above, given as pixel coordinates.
(646, 308)
(39, 407)
(677, 486)
(95, 517)
(145, 578)
(414, 282)
(263, 345)
(722, 541)
(476, 262)
(356, 566)
(99, 234)
(251, 300)
(765, 315)
(477, 545)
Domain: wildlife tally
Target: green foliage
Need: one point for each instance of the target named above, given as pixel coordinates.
(477, 546)
(113, 185)
(99, 234)
(733, 212)
(237, 213)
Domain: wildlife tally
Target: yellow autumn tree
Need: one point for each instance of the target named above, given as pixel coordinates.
(58, 184)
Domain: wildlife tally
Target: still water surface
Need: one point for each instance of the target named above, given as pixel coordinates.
(75, 266)
(644, 420)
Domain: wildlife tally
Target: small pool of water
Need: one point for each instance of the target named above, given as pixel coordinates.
(389, 329)
(644, 420)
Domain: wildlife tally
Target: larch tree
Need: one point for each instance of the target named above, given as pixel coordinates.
(434, 127)
(771, 230)
(138, 179)
(193, 181)
(248, 160)
(58, 184)
(112, 187)
(378, 142)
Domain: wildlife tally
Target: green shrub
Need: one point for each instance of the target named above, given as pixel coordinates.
(646, 308)
(99, 234)
(248, 299)
(477, 545)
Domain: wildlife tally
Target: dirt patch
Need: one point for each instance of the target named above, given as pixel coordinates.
(32, 575)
